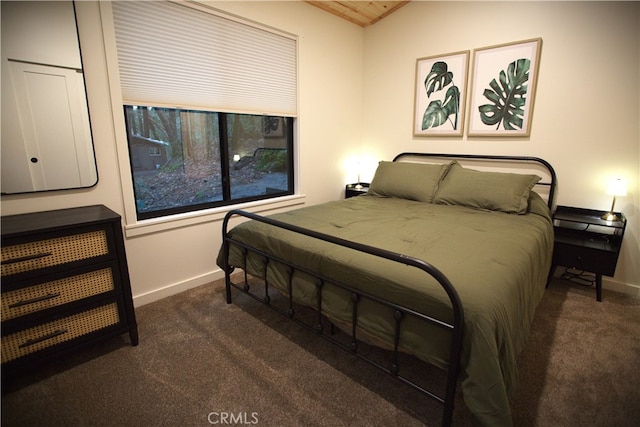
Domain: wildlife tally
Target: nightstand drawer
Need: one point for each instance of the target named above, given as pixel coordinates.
(596, 261)
(58, 331)
(31, 299)
(51, 252)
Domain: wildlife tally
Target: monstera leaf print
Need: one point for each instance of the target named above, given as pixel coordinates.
(438, 77)
(439, 111)
(508, 97)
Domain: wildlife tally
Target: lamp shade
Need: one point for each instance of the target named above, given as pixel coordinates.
(617, 187)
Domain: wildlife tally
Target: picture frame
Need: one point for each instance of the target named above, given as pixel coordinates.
(513, 66)
(440, 94)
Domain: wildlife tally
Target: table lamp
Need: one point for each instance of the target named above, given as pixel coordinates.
(617, 187)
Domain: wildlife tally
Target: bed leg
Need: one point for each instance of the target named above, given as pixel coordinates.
(227, 284)
(245, 252)
(447, 416)
(355, 298)
(395, 365)
(319, 284)
(332, 328)
(226, 267)
(290, 311)
(267, 298)
(550, 277)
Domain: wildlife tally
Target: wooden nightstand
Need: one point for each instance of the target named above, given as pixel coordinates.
(583, 240)
(352, 190)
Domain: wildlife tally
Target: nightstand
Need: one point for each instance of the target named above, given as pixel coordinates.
(352, 190)
(583, 240)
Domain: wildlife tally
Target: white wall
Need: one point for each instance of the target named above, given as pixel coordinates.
(330, 106)
(356, 96)
(586, 114)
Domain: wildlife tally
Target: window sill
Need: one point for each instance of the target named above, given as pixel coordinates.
(167, 223)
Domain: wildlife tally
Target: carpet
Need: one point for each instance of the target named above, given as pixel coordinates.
(201, 361)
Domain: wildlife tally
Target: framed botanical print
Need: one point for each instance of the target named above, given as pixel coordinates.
(440, 94)
(503, 89)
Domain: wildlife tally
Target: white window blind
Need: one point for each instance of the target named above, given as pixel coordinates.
(174, 55)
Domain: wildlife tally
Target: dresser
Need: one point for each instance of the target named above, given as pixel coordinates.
(65, 284)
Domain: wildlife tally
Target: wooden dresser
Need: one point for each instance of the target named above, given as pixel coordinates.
(65, 284)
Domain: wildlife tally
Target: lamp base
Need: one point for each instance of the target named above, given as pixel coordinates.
(610, 216)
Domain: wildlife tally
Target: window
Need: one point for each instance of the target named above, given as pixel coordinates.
(209, 102)
(184, 160)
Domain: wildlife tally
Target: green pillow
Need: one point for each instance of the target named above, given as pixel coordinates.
(496, 191)
(413, 181)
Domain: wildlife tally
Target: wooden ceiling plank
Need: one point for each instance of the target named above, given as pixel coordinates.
(392, 6)
(363, 13)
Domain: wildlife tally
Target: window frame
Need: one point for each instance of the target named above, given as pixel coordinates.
(134, 227)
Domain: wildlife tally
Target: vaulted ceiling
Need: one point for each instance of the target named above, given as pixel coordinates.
(363, 13)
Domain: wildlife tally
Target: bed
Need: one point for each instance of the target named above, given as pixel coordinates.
(445, 258)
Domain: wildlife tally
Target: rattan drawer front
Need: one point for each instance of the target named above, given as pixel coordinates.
(45, 295)
(47, 253)
(46, 335)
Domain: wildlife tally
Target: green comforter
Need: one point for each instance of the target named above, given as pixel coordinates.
(497, 262)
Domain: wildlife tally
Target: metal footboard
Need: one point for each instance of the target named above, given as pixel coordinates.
(400, 312)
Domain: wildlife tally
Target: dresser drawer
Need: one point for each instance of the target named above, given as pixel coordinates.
(31, 256)
(30, 299)
(58, 331)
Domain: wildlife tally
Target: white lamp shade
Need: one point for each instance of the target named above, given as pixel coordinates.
(617, 187)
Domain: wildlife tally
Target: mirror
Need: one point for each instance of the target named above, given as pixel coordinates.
(46, 133)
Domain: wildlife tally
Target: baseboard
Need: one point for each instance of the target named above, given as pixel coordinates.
(176, 288)
(608, 283)
(623, 288)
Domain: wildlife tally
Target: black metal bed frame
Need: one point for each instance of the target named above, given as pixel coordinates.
(399, 312)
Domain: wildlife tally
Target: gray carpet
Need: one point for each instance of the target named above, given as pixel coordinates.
(201, 360)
